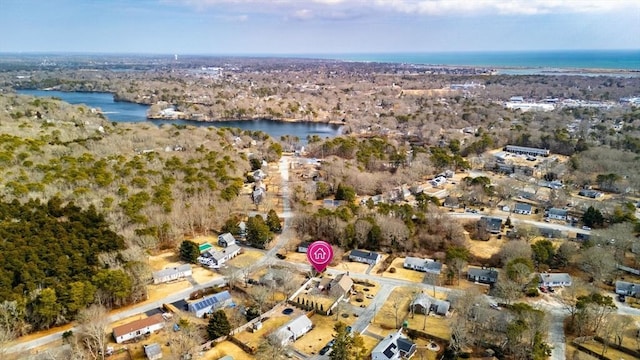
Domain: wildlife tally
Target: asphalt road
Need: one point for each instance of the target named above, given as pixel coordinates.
(542, 224)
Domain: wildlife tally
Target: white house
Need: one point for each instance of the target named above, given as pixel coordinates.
(226, 239)
(210, 303)
(173, 273)
(555, 279)
(215, 259)
(367, 257)
(522, 209)
(424, 265)
(138, 328)
(293, 330)
(557, 214)
(393, 347)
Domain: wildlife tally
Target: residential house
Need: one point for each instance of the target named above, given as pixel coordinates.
(210, 303)
(173, 273)
(593, 194)
(259, 175)
(555, 279)
(549, 232)
(627, 289)
(451, 202)
(215, 259)
(526, 150)
(482, 275)
(425, 304)
(522, 209)
(257, 195)
(153, 351)
(424, 265)
(243, 229)
(393, 347)
(138, 328)
(491, 224)
(226, 239)
(341, 286)
(367, 257)
(293, 330)
(557, 214)
(303, 247)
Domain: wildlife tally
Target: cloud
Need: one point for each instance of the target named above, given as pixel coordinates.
(307, 9)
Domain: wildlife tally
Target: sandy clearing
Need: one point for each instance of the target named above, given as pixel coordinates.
(161, 291)
(164, 260)
(202, 275)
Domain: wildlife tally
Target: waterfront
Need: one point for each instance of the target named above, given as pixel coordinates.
(136, 113)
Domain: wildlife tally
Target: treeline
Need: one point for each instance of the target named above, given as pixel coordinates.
(50, 264)
(383, 227)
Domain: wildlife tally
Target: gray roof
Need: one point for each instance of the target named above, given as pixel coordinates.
(555, 277)
(393, 344)
(365, 254)
(428, 264)
(297, 326)
(210, 301)
(492, 223)
(522, 207)
(170, 271)
(558, 212)
(227, 237)
(487, 272)
(152, 350)
(627, 287)
(426, 301)
(217, 255)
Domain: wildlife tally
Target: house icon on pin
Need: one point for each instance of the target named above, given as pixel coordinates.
(320, 254)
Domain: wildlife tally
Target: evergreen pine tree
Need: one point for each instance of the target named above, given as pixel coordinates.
(218, 325)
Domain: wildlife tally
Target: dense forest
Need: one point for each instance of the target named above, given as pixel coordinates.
(50, 262)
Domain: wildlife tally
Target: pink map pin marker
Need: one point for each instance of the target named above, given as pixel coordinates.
(319, 254)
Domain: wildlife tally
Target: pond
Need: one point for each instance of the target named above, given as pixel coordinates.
(130, 112)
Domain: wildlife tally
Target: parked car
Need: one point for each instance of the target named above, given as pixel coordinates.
(325, 350)
(543, 289)
(621, 298)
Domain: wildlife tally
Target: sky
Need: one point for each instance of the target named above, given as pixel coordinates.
(244, 27)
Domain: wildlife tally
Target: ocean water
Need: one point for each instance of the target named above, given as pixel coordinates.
(577, 60)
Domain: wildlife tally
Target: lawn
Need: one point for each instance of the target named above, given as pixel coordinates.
(253, 339)
(402, 273)
(320, 335)
(369, 343)
(226, 348)
(366, 297)
(395, 309)
(435, 325)
(161, 291)
(246, 258)
(611, 353)
(486, 249)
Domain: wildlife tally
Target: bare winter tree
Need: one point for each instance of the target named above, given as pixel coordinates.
(598, 262)
(185, 343)
(94, 324)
